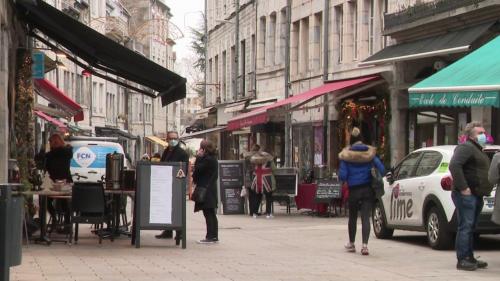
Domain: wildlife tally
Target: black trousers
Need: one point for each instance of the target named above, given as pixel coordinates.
(212, 223)
(361, 198)
(255, 199)
(61, 206)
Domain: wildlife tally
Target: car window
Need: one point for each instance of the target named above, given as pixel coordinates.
(429, 163)
(406, 168)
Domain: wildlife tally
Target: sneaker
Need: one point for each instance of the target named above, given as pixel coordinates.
(349, 247)
(364, 251)
(479, 263)
(467, 264)
(208, 241)
(254, 216)
(270, 216)
(164, 235)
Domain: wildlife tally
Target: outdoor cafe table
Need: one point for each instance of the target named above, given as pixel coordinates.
(45, 193)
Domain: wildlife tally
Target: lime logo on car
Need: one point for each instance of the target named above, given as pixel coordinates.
(84, 157)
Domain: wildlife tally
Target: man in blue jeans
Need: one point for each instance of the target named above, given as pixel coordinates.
(469, 168)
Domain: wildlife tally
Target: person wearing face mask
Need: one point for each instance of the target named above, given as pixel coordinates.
(469, 169)
(174, 153)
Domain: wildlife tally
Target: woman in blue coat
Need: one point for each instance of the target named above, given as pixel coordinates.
(356, 162)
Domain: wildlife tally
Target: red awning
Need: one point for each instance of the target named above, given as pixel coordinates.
(57, 123)
(260, 115)
(50, 92)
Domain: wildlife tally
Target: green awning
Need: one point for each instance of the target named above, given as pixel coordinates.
(473, 80)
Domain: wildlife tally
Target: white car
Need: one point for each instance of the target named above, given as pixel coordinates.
(418, 198)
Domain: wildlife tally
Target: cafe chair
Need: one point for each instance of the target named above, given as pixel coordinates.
(89, 207)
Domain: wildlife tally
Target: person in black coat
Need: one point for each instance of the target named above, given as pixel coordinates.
(174, 153)
(205, 176)
(57, 164)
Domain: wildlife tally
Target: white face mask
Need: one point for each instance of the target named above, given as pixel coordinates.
(173, 143)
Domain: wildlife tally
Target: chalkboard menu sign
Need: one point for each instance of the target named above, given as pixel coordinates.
(231, 181)
(327, 190)
(286, 181)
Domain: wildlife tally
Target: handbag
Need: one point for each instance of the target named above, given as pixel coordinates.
(199, 194)
(377, 182)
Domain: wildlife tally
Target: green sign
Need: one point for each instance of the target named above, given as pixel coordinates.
(464, 99)
(38, 66)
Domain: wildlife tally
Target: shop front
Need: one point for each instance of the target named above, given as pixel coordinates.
(441, 105)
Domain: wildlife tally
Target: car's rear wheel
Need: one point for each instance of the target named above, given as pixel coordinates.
(380, 224)
(438, 235)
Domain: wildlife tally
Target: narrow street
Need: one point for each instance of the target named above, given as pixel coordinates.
(289, 247)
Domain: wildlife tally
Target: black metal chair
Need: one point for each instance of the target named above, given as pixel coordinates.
(89, 207)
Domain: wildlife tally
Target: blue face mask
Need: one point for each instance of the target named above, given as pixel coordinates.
(173, 143)
(481, 139)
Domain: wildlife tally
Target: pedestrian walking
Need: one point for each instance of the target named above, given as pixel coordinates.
(356, 163)
(494, 178)
(469, 168)
(205, 176)
(174, 153)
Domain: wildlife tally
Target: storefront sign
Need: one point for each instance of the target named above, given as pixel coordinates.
(465, 99)
(328, 190)
(38, 66)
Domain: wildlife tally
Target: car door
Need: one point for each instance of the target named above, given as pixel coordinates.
(424, 180)
(399, 204)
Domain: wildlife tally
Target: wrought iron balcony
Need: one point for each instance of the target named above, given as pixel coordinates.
(424, 10)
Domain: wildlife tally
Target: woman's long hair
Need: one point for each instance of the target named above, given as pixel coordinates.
(208, 147)
(56, 141)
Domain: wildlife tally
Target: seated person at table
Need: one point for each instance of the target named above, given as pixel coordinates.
(57, 163)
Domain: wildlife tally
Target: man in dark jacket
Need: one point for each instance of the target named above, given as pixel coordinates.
(174, 153)
(469, 170)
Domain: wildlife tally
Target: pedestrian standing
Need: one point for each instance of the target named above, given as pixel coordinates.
(174, 153)
(469, 169)
(356, 162)
(263, 182)
(494, 178)
(205, 176)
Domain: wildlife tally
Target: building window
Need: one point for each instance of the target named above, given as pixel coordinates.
(224, 76)
(262, 42)
(79, 89)
(317, 41)
(294, 52)
(271, 58)
(354, 28)
(371, 27)
(304, 46)
(283, 29)
(217, 81)
(101, 96)
(232, 92)
(339, 23)
(243, 58)
(66, 82)
(94, 97)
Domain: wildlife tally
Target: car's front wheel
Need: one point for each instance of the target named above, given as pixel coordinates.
(380, 224)
(438, 235)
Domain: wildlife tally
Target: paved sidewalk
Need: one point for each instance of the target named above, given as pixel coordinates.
(288, 247)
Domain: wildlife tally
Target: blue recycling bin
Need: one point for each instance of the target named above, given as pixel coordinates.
(11, 218)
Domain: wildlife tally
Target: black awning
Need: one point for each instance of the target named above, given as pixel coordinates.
(101, 52)
(451, 42)
(113, 132)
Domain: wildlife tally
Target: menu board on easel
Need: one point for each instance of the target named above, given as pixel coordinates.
(160, 198)
(231, 181)
(327, 190)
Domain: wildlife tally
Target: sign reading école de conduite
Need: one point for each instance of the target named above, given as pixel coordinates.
(465, 99)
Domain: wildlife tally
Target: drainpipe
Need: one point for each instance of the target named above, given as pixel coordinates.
(288, 117)
(236, 51)
(206, 55)
(326, 128)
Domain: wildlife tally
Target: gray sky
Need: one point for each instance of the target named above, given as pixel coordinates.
(186, 13)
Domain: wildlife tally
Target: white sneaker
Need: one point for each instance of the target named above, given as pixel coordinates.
(269, 216)
(254, 216)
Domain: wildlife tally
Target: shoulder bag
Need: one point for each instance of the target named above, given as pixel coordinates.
(199, 194)
(377, 181)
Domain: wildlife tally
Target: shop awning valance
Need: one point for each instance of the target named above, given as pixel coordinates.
(473, 80)
(51, 93)
(101, 52)
(60, 125)
(202, 133)
(157, 140)
(261, 115)
(452, 42)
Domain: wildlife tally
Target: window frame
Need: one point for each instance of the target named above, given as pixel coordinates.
(422, 157)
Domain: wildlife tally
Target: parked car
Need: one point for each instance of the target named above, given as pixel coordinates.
(418, 198)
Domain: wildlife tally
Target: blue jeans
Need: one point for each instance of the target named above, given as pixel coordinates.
(468, 209)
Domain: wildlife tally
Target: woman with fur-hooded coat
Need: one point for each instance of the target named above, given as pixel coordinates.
(356, 162)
